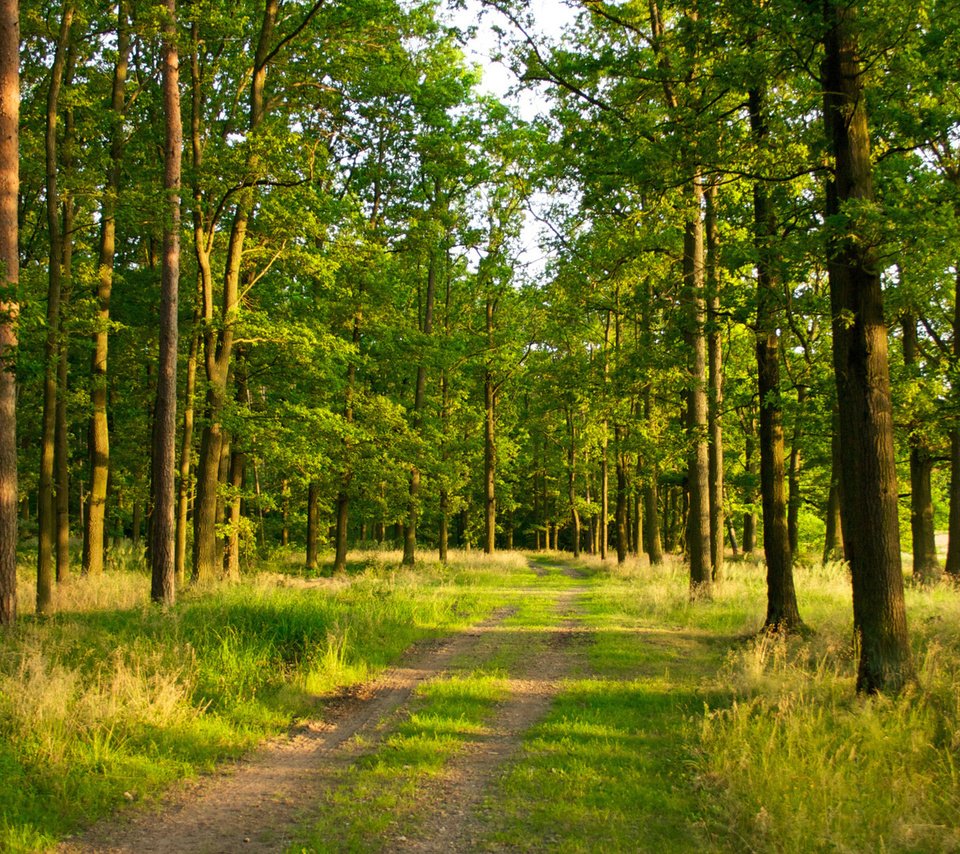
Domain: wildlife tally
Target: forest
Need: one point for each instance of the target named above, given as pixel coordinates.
(287, 288)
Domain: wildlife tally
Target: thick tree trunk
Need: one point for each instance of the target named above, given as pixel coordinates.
(163, 482)
(782, 610)
(9, 308)
(869, 496)
(698, 468)
(715, 383)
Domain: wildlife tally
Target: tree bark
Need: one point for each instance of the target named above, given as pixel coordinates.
(98, 441)
(832, 541)
(186, 452)
(572, 482)
(795, 499)
(952, 567)
(698, 467)
(163, 526)
(46, 502)
(218, 344)
(782, 610)
(621, 505)
(313, 523)
(489, 449)
(715, 383)
(9, 307)
(926, 567)
(426, 329)
(651, 498)
(869, 496)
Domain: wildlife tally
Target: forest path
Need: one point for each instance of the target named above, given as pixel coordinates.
(262, 803)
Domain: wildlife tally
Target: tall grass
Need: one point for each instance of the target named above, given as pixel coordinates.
(786, 756)
(111, 699)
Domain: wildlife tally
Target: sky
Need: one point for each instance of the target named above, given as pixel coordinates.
(550, 17)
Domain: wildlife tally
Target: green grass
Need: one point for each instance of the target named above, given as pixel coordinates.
(102, 705)
(679, 727)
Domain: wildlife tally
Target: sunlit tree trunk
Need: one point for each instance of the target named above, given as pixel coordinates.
(698, 468)
(163, 525)
(715, 386)
(9, 308)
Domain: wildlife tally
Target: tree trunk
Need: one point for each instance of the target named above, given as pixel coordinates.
(952, 567)
(621, 506)
(715, 381)
(795, 499)
(313, 523)
(698, 468)
(925, 564)
(651, 497)
(61, 450)
(572, 482)
(218, 343)
(489, 464)
(750, 466)
(231, 557)
(832, 542)
(869, 496)
(163, 525)
(46, 504)
(9, 308)
(186, 453)
(98, 442)
(426, 329)
(782, 610)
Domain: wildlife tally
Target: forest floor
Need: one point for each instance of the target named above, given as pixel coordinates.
(428, 747)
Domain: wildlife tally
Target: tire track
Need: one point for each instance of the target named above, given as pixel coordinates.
(255, 805)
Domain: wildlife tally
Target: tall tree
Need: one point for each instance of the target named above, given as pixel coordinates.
(9, 305)
(782, 610)
(869, 496)
(163, 527)
(98, 436)
(46, 500)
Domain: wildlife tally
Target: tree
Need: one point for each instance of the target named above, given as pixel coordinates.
(9, 307)
(163, 528)
(869, 496)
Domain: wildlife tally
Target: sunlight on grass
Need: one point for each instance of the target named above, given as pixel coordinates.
(388, 780)
(112, 699)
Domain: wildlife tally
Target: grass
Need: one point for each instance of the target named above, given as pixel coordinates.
(100, 705)
(678, 728)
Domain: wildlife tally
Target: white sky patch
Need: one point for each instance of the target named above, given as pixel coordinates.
(550, 19)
